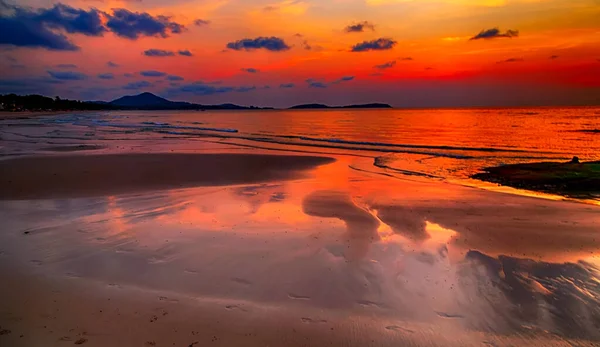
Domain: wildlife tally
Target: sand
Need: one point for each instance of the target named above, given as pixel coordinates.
(93, 175)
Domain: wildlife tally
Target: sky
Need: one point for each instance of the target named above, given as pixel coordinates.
(407, 53)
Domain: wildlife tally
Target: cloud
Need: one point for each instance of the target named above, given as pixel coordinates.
(495, 33)
(306, 46)
(66, 66)
(153, 52)
(137, 85)
(112, 64)
(72, 20)
(106, 76)
(511, 60)
(388, 65)
(359, 27)
(287, 85)
(406, 59)
(200, 88)
(251, 70)
(274, 44)
(553, 57)
(45, 28)
(343, 79)
(174, 78)
(185, 53)
(201, 22)
(312, 83)
(67, 75)
(374, 45)
(132, 25)
(245, 89)
(152, 73)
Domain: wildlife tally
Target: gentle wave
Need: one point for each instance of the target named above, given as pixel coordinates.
(384, 144)
(150, 125)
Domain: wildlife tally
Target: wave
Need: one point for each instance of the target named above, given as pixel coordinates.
(150, 125)
(385, 144)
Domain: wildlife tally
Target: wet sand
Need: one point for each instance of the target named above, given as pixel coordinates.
(229, 245)
(93, 175)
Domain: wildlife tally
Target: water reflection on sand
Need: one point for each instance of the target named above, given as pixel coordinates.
(343, 241)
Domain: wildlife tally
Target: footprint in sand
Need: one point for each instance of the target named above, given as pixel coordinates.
(367, 303)
(398, 328)
(448, 315)
(164, 298)
(241, 281)
(298, 297)
(81, 341)
(235, 307)
(312, 321)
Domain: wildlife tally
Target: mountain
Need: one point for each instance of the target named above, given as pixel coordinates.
(147, 100)
(321, 106)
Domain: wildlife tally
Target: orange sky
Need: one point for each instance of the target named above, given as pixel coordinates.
(555, 57)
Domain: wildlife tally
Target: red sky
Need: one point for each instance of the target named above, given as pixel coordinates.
(429, 53)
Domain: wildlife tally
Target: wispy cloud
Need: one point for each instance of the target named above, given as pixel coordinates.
(274, 44)
(388, 65)
(359, 27)
(495, 33)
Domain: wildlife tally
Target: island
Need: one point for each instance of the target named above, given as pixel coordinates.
(321, 106)
(143, 101)
(572, 179)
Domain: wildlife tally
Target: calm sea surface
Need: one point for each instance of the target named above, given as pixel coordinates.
(446, 143)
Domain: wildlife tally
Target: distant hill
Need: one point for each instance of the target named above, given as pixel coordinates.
(149, 101)
(146, 100)
(321, 106)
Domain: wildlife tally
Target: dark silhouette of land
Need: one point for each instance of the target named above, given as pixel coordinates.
(143, 101)
(572, 178)
(321, 106)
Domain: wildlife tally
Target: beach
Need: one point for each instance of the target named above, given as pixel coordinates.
(123, 229)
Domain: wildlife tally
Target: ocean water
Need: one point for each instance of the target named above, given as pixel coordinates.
(439, 143)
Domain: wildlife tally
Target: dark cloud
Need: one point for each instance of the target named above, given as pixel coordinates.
(72, 20)
(510, 60)
(388, 65)
(553, 57)
(274, 44)
(106, 76)
(200, 88)
(66, 66)
(287, 85)
(244, 89)
(495, 33)
(45, 28)
(201, 22)
(174, 78)
(153, 52)
(185, 53)
(152, 73)
(312, 83)
(306, 45)
(112, 64)
(359, 27)
(67, 75)
(374, 45)
(406, 59)
(132, 25)
(343, 79)
(137, 85)
(298, 35)
(251, 70)
(25, 27)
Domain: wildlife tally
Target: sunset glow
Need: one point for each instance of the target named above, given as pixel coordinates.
(280, 53)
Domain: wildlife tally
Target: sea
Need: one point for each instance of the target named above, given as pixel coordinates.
(436, 143)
